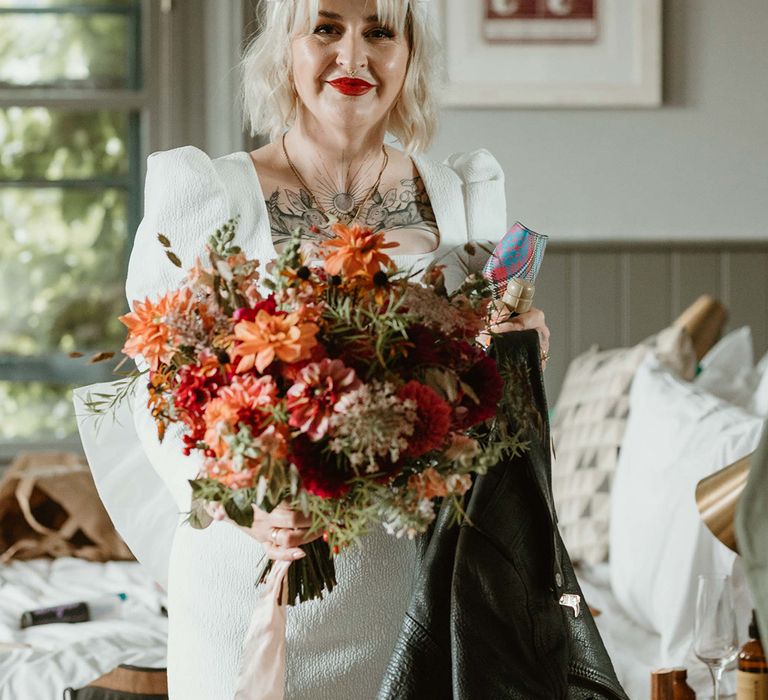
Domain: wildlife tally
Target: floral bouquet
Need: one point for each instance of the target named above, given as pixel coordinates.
(338, 384)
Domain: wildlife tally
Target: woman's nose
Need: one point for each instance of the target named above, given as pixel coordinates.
(352, 56)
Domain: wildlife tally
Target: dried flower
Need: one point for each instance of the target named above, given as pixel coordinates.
(371, 426)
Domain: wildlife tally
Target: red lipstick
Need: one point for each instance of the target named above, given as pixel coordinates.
(351, 86)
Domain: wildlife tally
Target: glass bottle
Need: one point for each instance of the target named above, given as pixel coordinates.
(752, 672)
(680, 688)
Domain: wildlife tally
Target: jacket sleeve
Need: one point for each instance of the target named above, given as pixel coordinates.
(485, 201)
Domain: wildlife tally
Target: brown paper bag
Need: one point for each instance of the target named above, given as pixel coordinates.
(49, 507)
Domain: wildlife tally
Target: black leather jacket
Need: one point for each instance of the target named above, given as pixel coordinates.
(486, 621)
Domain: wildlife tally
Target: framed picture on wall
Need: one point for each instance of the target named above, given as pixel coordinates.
(551, 53)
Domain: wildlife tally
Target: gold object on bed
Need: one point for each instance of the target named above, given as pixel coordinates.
(704, 320)
(717, 496)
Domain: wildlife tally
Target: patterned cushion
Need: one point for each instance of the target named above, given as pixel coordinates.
(588, 425)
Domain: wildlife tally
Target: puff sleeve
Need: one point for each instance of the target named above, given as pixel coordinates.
(485, 200)
(185, 200)
(142, 481)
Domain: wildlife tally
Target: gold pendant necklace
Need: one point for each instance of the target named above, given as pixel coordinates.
(317, 201)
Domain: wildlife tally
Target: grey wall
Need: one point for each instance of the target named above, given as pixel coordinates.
(695, 168)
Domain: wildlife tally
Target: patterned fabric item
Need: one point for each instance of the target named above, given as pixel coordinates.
(588, 425)
(518, 254)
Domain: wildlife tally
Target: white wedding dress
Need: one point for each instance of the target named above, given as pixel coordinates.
(338, 648)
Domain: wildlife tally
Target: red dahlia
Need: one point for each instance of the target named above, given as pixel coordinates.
(247, 314)
(484, 379)
(196, 386)
(433, 418)
(319, 476)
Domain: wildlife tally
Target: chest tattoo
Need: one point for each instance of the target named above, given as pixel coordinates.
(405, 206)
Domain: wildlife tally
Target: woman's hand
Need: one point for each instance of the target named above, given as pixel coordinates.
(531, 319)
(280, 532)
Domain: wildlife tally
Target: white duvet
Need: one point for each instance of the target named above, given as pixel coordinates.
(38, 663)
(636, 652)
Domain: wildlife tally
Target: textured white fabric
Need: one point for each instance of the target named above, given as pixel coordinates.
(588, 425)
(676, 435)
(336, 648)
(38, 663)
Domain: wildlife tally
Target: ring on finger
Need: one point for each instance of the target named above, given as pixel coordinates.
(545, 356)
(273, 536)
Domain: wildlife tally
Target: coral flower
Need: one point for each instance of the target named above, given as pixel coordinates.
(312, 400)
(283, 336)
(225, 472)
(428, 484)
(220, 419)
(358, 251)
(250, 392)
(149, 334)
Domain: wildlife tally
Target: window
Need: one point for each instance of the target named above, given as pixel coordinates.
(72, 106)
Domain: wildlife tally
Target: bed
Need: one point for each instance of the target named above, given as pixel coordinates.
(38, 663)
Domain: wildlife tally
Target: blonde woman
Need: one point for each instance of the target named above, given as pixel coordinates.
(333, 82)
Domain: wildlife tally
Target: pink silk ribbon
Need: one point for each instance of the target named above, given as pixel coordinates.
(262, 670)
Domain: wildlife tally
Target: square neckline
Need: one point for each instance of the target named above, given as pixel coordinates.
(263, 213)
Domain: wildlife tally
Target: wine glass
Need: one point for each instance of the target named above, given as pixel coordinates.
(715, 639)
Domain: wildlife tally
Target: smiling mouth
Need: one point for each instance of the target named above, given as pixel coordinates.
(351, 86)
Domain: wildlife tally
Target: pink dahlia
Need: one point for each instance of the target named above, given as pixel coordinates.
(312, 399)
(433, 418)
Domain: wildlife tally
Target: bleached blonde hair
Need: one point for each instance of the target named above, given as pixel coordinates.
(270, 102)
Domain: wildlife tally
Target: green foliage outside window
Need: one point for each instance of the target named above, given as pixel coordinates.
(68, 204)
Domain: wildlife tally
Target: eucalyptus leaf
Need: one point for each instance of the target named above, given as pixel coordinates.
(199, 518)
(244, 518)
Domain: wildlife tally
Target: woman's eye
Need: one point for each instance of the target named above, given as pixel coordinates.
(324, 29)
(381, 33)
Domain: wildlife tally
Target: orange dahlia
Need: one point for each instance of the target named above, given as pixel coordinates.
(149, 334)
(220, 419)
(282, 336)
(358, 251)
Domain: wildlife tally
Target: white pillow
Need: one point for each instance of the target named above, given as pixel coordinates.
(759, 401)
(727, 370)
(676, 434)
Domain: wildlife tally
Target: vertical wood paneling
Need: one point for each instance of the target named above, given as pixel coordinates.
(552, 296)
(619, 296)
(596, 311)
(698, 272)
(748, 282)
(648, 288)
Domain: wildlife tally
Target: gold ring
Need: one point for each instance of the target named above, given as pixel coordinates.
(544, 356)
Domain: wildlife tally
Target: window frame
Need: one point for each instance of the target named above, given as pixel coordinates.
(188, 49)
(150, 27)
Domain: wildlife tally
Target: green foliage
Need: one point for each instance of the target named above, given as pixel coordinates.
(42, 143)
(65, 50)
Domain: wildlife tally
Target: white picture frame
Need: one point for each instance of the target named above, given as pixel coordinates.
(617, 65)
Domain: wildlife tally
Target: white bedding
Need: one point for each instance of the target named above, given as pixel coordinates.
(636, 652)
(37, 663)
